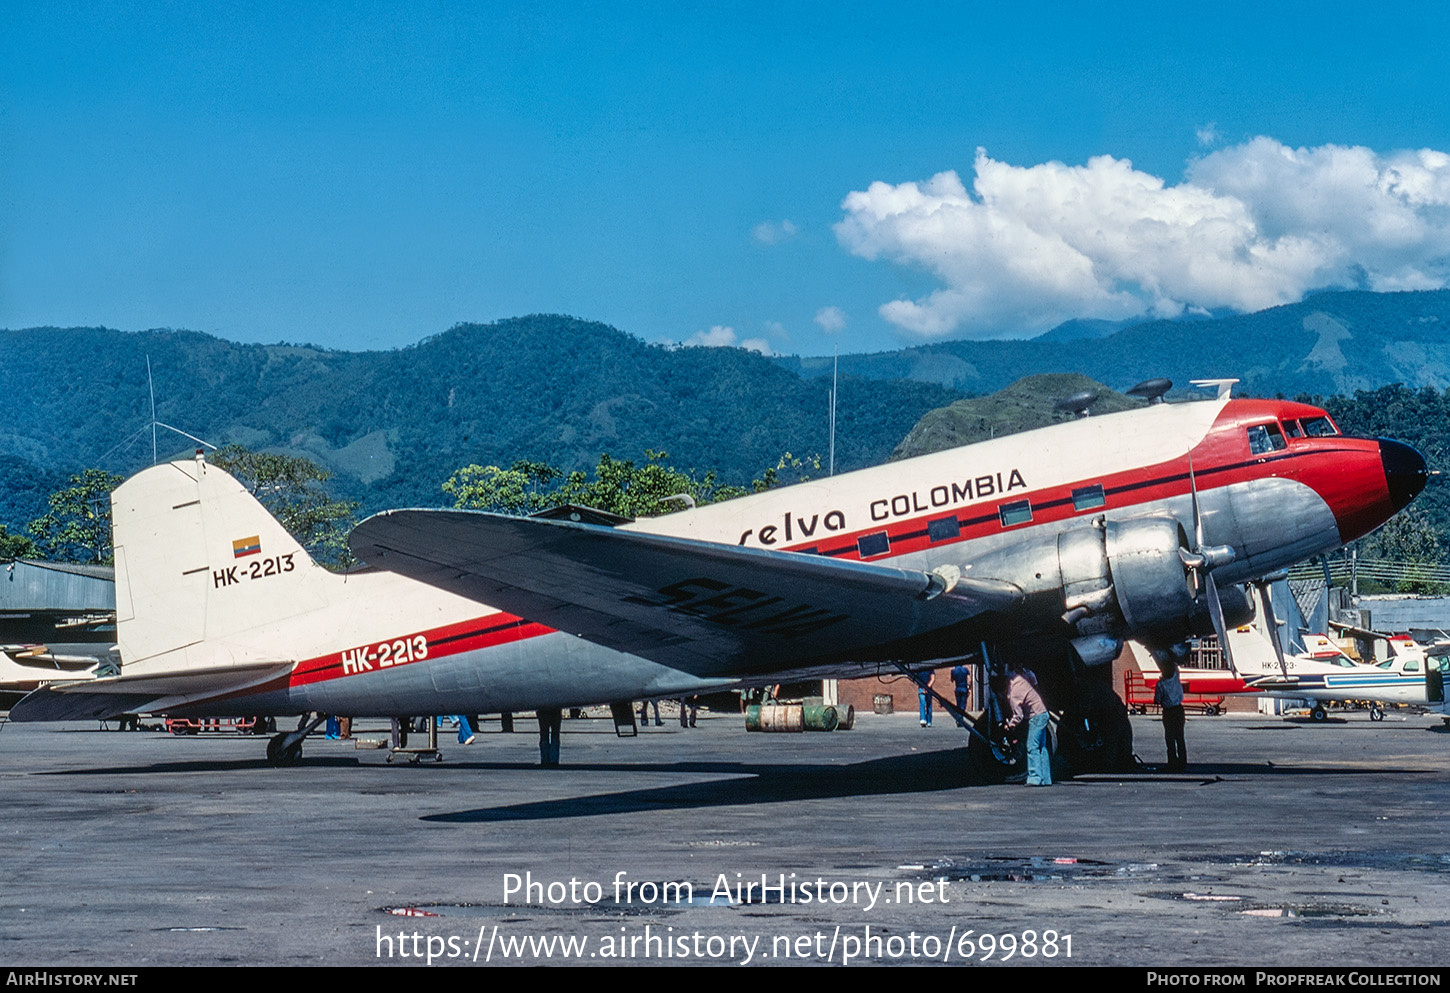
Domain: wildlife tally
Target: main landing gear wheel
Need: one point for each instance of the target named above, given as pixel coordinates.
(987, 765)
(1095, 734)
(1376, 712)
(1318, 714)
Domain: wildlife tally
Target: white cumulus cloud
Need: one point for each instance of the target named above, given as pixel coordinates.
(831, 319)
(1250, 226)
(723, 336)
(773, 232)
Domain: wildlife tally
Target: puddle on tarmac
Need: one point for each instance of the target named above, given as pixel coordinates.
(1413, 861)
(1310, 910)
(1030, 869)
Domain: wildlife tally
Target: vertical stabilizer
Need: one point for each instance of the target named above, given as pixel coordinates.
(202, 570)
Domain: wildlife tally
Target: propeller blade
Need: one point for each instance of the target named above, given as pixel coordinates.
(1197, 514)
(1215, 611)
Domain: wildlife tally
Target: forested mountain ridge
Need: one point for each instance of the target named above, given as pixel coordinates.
(1329, 343)
(393, 425)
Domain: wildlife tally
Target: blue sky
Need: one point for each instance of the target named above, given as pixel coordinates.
(363, 175)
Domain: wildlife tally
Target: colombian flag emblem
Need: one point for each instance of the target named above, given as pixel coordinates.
(243, 547)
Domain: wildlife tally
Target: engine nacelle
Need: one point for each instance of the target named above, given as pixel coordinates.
(1107, 578)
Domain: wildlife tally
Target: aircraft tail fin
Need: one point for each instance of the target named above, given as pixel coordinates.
(199, 562)
(1253, 652)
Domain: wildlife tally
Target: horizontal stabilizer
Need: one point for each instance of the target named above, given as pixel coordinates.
(706, 608)
(107, 697)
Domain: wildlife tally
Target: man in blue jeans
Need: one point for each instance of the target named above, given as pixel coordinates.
(1024, 703)
(962, 683)
(923, 698)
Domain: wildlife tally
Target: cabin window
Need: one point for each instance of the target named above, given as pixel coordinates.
(873, 544)
(943, 529)
(1319, 427)
(1088, 497)
(1411, 665)
(1017, 512)
(1266, 438)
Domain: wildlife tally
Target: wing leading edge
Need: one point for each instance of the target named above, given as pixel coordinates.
(705, 608)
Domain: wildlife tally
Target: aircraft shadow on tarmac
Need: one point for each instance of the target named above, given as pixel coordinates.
(931, 772)
(753, 783)
(199, 765)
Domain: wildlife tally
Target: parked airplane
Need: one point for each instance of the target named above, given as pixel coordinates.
(1048, 546)
(24, 668)
(1321, 674)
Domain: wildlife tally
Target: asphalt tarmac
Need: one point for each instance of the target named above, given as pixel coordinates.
(1287, 843)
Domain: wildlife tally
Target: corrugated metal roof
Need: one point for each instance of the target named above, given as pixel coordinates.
(26, 585)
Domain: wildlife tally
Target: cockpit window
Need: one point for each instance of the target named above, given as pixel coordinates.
(1265, 438)
(1319, 427)
(1293, 430)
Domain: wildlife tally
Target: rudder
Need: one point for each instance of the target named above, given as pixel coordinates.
(200, 564)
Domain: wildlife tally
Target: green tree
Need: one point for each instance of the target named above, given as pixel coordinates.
(291, 488)
(16, 546)
(520, 489)
(619, 486)
(78, 525)
(1411, 539)
(622, 487)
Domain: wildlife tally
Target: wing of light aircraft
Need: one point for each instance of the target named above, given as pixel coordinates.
(1048, 547)
(25, 668)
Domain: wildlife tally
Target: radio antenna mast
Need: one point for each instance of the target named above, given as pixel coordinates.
(150, 386)
(835, 367)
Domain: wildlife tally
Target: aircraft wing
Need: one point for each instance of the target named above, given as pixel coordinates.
(110, 696)
(706, 608)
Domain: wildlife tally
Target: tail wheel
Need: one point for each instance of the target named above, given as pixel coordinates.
(282, 753)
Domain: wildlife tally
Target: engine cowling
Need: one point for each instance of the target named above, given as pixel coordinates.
(1103, 582)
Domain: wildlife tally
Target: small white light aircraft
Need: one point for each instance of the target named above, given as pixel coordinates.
(1048, 547)
(1322, 673)
(1325, 674)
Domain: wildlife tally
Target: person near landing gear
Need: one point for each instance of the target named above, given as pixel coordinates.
(550, 722)
(962, 682)
(644, 713)
(923, 698)
(1024, 703)
(689, 711)
(1168, 694)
